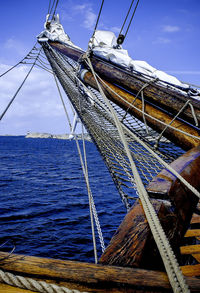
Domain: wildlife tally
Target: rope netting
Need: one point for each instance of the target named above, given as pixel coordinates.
(99, 123)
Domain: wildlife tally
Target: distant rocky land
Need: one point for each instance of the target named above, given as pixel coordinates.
(57, 136)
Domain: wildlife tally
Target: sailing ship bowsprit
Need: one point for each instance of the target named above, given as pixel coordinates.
(145, 125)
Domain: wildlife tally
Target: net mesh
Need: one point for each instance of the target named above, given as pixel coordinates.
(98, 121)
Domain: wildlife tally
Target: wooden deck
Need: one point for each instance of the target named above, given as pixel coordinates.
(194, 249)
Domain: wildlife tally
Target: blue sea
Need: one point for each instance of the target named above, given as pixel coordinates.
(43, 199)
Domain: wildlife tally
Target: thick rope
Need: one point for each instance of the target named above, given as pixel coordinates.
(33, 285)
(174, 273)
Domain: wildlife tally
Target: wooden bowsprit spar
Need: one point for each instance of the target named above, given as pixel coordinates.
(168, 98)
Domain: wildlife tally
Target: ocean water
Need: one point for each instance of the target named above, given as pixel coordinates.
(43, 198)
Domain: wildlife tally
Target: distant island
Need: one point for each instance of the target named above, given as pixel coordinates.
(57, 136)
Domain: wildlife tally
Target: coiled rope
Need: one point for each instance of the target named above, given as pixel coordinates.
(33, 285)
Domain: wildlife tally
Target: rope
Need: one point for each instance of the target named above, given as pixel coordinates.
(33, 285)
(126, 17)
(26, 57)
(66, 113)
(13, 98)
(85, 173)
(157, 120)
(140, 91)
(174, 273)
(102, 2)
(55, 8)
(49, 6)
(91, 201)
(92, 38)
(167, 126)
(121, 37)
(131, 18)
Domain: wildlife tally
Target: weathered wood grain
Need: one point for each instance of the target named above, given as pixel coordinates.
(90, 277)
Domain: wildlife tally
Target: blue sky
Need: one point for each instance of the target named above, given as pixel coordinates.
(163, 33)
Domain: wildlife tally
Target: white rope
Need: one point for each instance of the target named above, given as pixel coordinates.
(194, 114)
(174, 273)
(33, 285)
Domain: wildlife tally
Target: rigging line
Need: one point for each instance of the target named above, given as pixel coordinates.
(49, 6)
(89, 191)
(26, 57)
(99, 15)
(13, 98)
(131, 18)
(91, 200)
(44, 68)
(55, 8)
(92, 38)
(147, 115)
(59, 91)
(126, 17)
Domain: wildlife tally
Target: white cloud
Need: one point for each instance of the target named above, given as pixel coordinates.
(161, 40)
(170, 28)
(90, 19)
(115, 29)
(12, 43)
(36, 107)
(192, 72)
(83, 13)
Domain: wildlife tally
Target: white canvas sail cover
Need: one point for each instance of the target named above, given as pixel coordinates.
(54, 31)
(104, 45)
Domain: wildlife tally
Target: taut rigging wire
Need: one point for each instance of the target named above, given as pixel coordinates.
(121, 37)
(13, 98)
(21, 61)
(98, 16)
(55, 8)
(49, 6)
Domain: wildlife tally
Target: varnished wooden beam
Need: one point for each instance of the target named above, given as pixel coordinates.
(96, 278)
(114, 93)
(168, 98)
